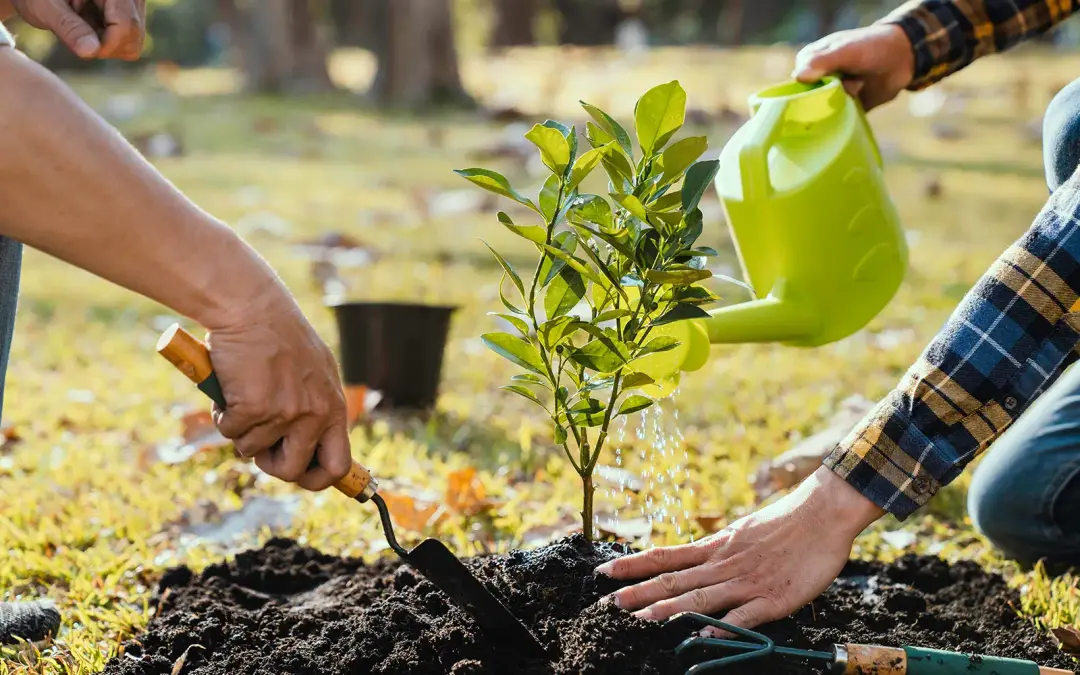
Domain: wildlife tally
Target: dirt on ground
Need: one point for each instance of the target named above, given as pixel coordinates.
(290, 610)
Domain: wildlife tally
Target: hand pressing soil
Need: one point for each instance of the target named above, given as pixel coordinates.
(290, 610)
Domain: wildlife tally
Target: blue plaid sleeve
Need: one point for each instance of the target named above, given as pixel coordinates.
(947, 35)
(1009, 339)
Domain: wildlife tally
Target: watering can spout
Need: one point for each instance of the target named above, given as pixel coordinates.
(780, 317)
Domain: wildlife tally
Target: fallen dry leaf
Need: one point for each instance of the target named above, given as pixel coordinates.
(568, 524)
(790, 468)
(1068, 638)
(465, 493)
(631, 529)
(207, 522)
(710, 522)
(178, 665)
(359, 402)
(411, 513)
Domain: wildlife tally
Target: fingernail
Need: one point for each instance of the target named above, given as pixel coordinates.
(609, 600)
(86, 46)
(607, 568)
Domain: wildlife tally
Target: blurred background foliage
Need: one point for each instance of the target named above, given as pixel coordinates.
(282, 46)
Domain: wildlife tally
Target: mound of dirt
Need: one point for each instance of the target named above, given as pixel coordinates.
(290, 610)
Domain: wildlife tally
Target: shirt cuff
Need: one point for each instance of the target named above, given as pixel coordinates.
(937, 41)
(890, 461)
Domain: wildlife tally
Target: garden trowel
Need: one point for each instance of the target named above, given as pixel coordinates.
(431, 557)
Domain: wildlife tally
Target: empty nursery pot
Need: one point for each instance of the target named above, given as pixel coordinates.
(395, 349)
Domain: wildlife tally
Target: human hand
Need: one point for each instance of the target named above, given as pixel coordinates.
(93, 29)
(285, 400)
(760, 568)
(877, 62)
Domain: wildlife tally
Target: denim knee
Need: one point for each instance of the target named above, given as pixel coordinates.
(1061, 136)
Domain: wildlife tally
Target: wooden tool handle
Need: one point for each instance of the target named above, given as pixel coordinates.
(192, 358)
(860, 659)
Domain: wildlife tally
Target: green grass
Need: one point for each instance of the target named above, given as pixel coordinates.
(90, 519)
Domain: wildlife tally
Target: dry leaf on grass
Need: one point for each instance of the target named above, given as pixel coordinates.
(710, 522)
(1068, 638)
(465, 493)
(208, 523)
(413, 513)
(566, 525)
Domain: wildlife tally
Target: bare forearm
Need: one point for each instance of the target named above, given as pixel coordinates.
(72, 187)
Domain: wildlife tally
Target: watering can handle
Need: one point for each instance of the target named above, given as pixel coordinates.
(754, 156)
(191, 357)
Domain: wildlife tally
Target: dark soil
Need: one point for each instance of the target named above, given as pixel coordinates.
(286, 609)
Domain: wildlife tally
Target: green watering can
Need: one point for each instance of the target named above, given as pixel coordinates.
(818, 236)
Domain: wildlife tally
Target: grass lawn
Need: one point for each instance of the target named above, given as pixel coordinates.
(90, 515)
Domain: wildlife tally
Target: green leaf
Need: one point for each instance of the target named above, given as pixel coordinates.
(597, 136)
(549, 196)
(564, 293)
(506, 303)
(617, 166)
(607, 277)
(584, 166)
(677, 277)
(516, 322)
(658, 344)
(598, 382)
(552, 265)
(554, 331)
(680, 156)
(533, 233)
(558, 126)
(575, 263)
(508, 269)
(634, 404)
(609, 125)
(704, 251)
(494, 182)
(695, 295)
(523, 391)
(633, 380)
(631, 204)
(531, 379)
(680, 312)
(612, 314)
(698, 179)
(589, 413)
(598, 355)
(658, 115)
(666, 221)
(515, 350)
(617, 239)
(668, 202)
(554, 148)
(591, 209)
(560, 434)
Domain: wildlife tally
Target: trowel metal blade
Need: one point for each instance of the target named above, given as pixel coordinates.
(442, 568)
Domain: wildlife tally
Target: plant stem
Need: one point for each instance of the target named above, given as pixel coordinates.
(587, 490)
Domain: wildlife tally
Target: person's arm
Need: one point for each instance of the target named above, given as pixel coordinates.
(71, 186)
(948, 35)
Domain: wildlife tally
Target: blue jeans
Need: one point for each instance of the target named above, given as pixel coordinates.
(1025, 494)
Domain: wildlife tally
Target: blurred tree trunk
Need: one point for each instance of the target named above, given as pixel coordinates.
(588, 22)
(418, 61)
(277, 45)
(514, 23)
(828, 11)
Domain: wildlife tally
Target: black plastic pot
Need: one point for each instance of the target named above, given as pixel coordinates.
(395, 349)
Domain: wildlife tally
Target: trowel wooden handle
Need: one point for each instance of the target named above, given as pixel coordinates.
(191, 357)
(859, 659)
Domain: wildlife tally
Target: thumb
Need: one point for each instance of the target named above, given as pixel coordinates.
(76, 34)
(817, 61)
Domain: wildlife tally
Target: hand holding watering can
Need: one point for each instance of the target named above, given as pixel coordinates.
(818, 236)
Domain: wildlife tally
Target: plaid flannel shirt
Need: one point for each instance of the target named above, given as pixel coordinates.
(949, 34)
(1015, 331)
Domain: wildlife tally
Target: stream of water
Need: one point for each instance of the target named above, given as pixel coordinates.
(661, 481)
